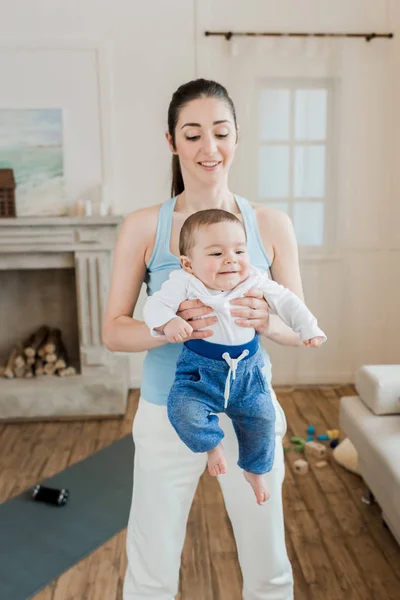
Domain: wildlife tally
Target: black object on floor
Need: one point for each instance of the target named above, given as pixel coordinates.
(41, 493)
(40, 541)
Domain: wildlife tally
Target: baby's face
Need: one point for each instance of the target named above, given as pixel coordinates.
(219, 256)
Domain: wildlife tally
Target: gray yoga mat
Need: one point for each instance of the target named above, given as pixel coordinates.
(38, 541)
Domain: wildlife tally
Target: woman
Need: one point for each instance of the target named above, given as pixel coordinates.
(202, 136)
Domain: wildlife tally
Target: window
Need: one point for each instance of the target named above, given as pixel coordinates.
(293, 148)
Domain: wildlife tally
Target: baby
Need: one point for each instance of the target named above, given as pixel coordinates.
(223, 374)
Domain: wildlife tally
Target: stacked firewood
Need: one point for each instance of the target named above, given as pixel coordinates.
(42, 353)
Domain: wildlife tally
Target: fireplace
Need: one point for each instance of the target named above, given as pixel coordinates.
(31, 298)
(56, 271)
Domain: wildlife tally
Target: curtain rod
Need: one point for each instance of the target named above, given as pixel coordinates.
(229, 34)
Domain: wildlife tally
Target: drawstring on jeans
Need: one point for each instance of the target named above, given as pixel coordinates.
(233, 363)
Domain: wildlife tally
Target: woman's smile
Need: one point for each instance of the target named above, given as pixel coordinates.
(210, 165)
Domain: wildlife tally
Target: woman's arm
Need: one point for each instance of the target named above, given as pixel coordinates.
(121, 332)
(276, 228)
(279, 240)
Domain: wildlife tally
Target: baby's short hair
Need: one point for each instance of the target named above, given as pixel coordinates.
(202, 218)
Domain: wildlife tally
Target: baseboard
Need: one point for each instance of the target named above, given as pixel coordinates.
(134, 382)
(314, 379)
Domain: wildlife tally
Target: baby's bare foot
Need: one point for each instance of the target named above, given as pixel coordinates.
(259, 485)
(216, 461)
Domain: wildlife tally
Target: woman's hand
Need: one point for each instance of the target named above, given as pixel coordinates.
(252, 311)
(193, 311)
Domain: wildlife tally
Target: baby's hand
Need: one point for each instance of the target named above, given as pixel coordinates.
(315, 342)
(177, 330)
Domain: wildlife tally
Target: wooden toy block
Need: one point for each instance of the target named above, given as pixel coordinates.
(300, 466)
(321, 464)
(315, 449)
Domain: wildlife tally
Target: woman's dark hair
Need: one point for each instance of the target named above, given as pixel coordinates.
(198, 88)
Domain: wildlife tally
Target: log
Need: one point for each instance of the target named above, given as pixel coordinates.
(16, 359)
(62, 356)
(38, 368)
(50, 358)
(28, 374)
(60, 364)
(35, 340)
(19, 372)
(67, 372)
(53, 341)
(49, 369)
(59, 356)
(19, 361)
(9, 368)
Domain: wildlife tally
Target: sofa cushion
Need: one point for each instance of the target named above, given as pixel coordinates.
(377, 440)
(379, 388)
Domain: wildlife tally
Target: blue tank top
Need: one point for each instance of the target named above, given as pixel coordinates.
(159, 363)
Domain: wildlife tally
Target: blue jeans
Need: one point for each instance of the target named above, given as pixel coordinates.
(213, 378)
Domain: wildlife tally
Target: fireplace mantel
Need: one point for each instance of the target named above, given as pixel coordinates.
(59, 221)
(86, 245)
(56, 234)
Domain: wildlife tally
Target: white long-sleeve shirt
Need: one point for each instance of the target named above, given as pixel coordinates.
(162, 306)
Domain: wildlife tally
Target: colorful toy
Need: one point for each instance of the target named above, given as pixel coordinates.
(323, 438)
(311, 429)
(310, 438)
(333, 433)
(297, 440)
(299, 443)
(334, 443)
(299, 447)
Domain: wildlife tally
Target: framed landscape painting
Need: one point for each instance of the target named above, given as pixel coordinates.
(31, 143)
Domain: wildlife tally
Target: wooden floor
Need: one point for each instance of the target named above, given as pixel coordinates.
(337, 545)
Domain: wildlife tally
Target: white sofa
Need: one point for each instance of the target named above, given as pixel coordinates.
(372, 422)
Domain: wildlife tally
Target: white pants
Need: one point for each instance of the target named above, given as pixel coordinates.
(166, 474)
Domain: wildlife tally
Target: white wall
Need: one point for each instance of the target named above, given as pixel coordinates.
(150, 49)
(354, 285)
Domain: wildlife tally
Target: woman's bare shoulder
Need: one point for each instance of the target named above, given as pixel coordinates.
(146, 218)
(274, 225)
(138, 231)
(270, 214)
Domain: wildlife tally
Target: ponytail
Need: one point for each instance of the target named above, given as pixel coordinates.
(177, 185)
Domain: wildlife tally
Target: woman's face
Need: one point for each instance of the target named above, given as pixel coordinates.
(205, 141)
